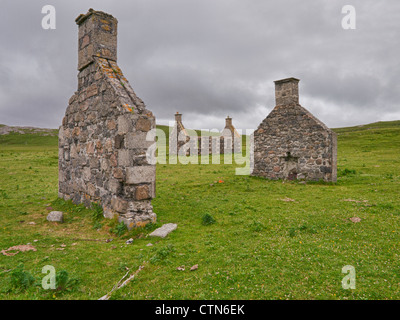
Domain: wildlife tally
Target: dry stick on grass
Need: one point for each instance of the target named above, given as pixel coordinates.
(121, 284)
(77, 239)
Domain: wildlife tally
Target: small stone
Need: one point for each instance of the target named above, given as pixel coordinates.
(164, 230)
(129, 241)
(119, 204)
(55, 216)
(195, 267)
(118, 173)
(143, 124)
(142, 192)
(355, 219)
(149, 245)
(181, 268)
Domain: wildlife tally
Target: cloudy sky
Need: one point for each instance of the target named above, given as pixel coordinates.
(209, 59)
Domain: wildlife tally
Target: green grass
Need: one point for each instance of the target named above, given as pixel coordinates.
(258, 246)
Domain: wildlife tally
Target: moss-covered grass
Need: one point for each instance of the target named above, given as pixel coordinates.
(269, 240)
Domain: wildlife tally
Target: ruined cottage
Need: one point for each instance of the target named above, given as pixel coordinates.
(178, 136)
(229, 141)
(290, 143)
(102, 139)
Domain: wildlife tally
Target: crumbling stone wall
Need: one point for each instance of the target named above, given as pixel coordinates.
(102, 139)
(290, 143)
(178, 137)
(229, 141)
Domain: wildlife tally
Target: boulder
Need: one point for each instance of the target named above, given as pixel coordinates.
(55, 216)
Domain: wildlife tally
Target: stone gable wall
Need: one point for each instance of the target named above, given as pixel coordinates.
(102, 142)
(290, 143)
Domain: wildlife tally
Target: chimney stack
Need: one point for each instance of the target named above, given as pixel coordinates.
(287, 91)
(97, 37)
(228, 122)
(178, 117)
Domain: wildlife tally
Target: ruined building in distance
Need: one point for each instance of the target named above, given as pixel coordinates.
(290, 143)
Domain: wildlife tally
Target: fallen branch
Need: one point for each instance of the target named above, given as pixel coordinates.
(121, 284)
(77, 239)
(5, 271)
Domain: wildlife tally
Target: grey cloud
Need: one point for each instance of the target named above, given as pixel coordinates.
(209, 59)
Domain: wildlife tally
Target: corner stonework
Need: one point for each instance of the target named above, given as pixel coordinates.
(102, 139)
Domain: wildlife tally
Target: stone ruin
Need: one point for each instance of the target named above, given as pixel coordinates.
(290, 143)
(102, 139)
(178, 137)
(103, 145)
(230, 140)
(181, 143)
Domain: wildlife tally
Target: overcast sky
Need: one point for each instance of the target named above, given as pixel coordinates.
(210, 58)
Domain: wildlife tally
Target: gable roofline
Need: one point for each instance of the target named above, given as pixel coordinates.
(308, 113)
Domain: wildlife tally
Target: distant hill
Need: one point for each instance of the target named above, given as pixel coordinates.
(13, 135)
(4, 129)
(371, 126)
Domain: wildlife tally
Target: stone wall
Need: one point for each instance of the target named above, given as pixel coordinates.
(229, 141)
(290, 143)
(102, 139)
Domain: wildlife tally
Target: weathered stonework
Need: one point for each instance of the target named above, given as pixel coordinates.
(291, 143)
(102, 139)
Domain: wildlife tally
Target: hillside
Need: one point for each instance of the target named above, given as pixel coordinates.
(379, 126)
(12, 135)
(251, 238)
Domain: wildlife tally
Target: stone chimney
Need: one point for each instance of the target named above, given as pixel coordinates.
(228, 122)
(178, 117)
(287, 91)
(102, 141)
(97, 37)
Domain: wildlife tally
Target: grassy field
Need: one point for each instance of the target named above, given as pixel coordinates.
(251, 238)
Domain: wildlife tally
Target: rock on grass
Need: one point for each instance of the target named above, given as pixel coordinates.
(55, 216)
(164, 230)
